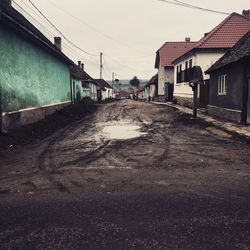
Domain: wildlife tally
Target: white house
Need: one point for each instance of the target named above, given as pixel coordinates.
(205, 53)
(104, 90)
(168, 52)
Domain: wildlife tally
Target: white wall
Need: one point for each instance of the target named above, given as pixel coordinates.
(202, 59)
(107, 94)
(164, 75)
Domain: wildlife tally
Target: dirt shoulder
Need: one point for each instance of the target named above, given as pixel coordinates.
(42, 129)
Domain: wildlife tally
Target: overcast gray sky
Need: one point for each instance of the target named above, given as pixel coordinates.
(128, 32)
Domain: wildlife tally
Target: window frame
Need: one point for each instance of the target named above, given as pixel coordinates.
(222, 85)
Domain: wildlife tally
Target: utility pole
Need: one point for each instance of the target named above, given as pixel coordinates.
(101, 64)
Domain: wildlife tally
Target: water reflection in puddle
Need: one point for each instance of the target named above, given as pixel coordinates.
(121, 130)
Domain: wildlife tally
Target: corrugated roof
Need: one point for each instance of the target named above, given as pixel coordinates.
(240, 51)
(223, 36)
(171, 50)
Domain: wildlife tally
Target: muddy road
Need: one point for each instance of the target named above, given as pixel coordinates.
(132, 175)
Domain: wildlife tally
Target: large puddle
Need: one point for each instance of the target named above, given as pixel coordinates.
(121, 130)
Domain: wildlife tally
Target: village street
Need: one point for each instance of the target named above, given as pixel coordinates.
(169, 182)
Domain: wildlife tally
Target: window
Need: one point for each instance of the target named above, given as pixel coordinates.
(190, 63)
(178, 73)
(222, 85)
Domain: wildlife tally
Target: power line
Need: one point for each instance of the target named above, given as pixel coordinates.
(67, 47)
(71, 50)
(94, 29)
(187, 5)
(76, 46)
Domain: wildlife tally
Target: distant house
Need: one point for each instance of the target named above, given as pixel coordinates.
(168, 52)
(230, 83)
(151, 88)
(204, 54)
(81, 83)
(104, 90)
(35, 75)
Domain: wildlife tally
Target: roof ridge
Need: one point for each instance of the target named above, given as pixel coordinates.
(182, 42)
(218, 27)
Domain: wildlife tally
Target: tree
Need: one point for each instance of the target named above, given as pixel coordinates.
(135, 82)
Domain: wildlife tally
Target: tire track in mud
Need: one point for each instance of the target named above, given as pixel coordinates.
(75, 147)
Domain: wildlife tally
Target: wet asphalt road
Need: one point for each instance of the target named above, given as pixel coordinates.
(185, 184)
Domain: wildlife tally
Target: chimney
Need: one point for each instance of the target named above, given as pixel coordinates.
(187, 39)
(79, 64)
(5, 3)
(82, 66)
(246, 13)
(58, 42)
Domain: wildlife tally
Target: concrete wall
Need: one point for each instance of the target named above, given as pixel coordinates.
(23, 117)
(30, 76)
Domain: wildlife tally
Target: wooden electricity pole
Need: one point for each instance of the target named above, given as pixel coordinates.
(101, 64)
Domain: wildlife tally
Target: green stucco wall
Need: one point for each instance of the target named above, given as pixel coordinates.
(29, 75)
(80, 92)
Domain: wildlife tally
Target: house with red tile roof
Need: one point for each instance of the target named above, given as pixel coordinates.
(168, 52)
(229, 95)
(205, 53)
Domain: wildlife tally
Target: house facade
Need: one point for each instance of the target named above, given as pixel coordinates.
(204, 54)
(163, 62)
(35, 75)
(80, 83)
(104, 90)
(151, 88)
(230, 84)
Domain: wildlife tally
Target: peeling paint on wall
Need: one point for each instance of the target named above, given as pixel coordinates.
(30, 76)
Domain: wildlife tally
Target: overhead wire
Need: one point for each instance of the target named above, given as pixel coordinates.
(94, 29)
(187, 5)
(67, 47)
(47, 19)
(45, 29)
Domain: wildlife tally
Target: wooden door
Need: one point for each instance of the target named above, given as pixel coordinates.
(204, 94)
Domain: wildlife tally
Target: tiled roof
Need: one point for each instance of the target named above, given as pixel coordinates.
(102, 83)
(225, 35)
(10, 16)
(171, 50)
(240, 51)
